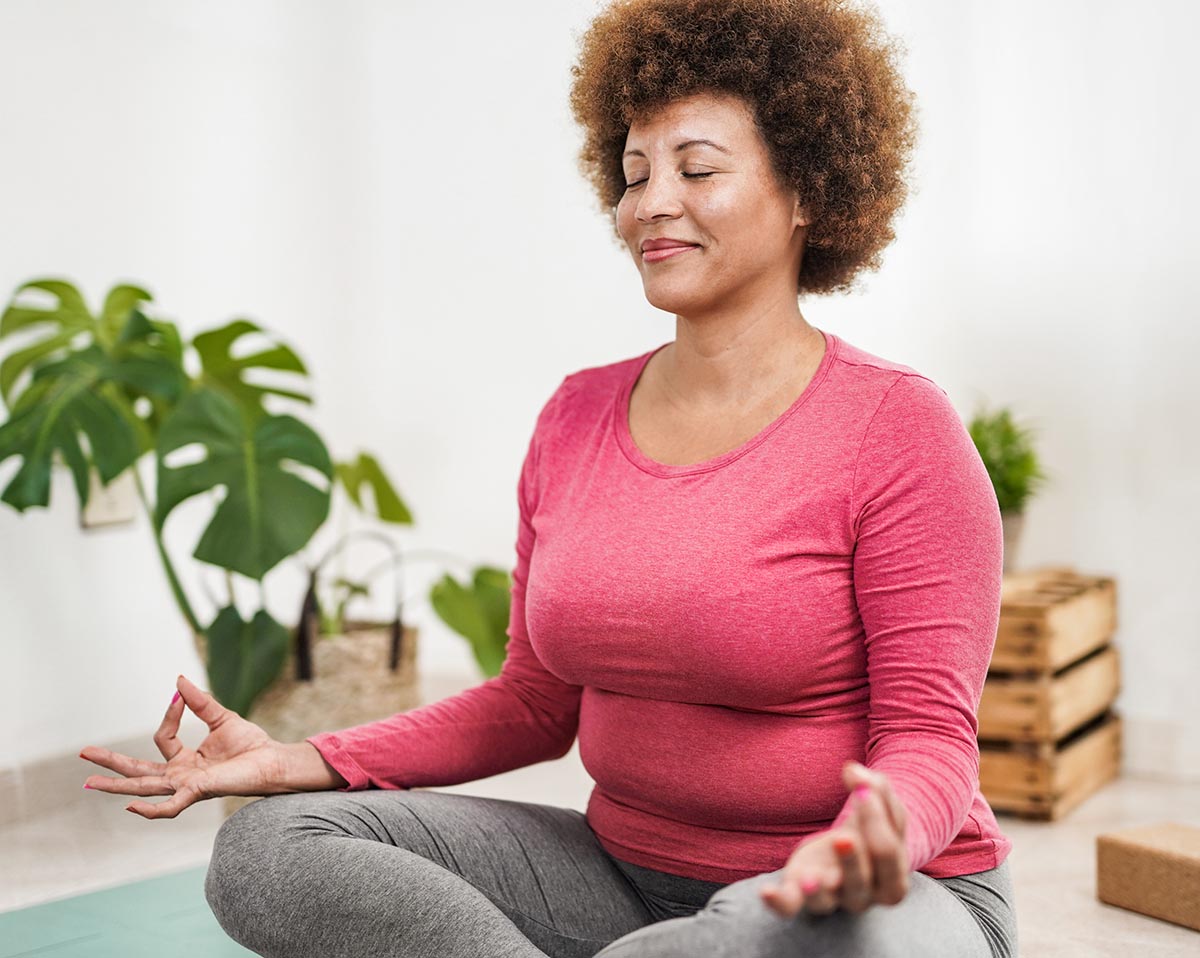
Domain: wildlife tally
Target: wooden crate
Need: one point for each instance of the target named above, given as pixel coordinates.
(1051, 617)
(1047, 707)
(1046, 780)
(1048, 737)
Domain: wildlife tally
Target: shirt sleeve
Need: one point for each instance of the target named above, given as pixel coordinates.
(928, 570)
(522, 716)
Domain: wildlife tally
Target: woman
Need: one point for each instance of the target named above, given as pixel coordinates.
(758, 575)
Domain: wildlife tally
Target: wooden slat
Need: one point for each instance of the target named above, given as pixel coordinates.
(1049, 786)
(1046, 708)
(1050, 617)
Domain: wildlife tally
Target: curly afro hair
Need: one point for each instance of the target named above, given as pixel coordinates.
(822, 79)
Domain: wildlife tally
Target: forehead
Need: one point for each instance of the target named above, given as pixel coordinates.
(721, 117)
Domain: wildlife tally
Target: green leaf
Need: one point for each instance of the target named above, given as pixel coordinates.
(365, 470)
(64, 399)
(150, 365)
(493, 590)
(479, 614)
(1006, 449)
(63, 321)
(268, 512)
(351, 588)
(244, 657)
(118, 304)
(223, 371)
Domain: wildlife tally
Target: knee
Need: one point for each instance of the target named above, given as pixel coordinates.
(244, 870)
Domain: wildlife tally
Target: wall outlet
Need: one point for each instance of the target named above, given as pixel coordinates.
(113, 504)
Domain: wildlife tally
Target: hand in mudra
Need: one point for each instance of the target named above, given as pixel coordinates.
(862, 862)
(236, 758)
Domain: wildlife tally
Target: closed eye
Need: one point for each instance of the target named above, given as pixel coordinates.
(690, 176)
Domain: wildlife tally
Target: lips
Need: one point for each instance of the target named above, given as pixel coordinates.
(664, 243)
(650, 255)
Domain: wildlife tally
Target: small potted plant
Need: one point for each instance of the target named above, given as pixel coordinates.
(1006, 449)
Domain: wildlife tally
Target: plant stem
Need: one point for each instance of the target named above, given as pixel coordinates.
(172, 579)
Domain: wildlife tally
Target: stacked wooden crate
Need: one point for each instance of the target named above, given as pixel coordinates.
(1048, 735)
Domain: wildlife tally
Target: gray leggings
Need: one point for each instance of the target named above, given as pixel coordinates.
(426, 874)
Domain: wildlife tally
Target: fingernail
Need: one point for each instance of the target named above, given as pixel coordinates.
(844, 846)
(175, 697)
(809, 886)
(862, 791)
(87, 786)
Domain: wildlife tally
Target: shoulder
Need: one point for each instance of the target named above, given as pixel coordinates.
(588, 392)
(890, 391)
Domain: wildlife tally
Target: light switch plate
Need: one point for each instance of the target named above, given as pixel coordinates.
(113, 504)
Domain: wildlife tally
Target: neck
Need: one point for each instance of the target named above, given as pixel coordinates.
(738, 363)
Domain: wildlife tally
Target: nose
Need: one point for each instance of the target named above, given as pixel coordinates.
(658, 197)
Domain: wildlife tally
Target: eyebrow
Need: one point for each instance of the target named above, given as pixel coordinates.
(680, 146)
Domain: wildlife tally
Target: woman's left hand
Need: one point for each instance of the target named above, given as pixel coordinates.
(862, 862)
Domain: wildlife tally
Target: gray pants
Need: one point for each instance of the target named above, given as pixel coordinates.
(427, 874)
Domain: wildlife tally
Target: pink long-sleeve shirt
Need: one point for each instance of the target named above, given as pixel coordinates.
(723, 636)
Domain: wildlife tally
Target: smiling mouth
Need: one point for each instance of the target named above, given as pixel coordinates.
(654, 255)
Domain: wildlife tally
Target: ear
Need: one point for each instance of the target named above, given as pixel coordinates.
(800, 214)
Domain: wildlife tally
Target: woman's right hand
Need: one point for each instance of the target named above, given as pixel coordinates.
(236, 758)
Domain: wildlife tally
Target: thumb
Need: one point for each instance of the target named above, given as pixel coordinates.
(855, 774)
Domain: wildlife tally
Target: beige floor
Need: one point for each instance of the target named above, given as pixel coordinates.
(57, 840)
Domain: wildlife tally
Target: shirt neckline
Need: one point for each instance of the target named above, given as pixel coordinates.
(667, 470)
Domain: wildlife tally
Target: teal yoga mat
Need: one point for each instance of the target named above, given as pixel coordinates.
(159, 917)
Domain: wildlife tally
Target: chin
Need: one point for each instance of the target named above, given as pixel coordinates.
(673, 300)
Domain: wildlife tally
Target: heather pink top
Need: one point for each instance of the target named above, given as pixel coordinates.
(722, 636)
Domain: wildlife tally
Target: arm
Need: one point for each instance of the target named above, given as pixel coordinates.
(927, 579)
(524, 715)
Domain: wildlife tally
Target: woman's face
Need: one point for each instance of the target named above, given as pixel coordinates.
(746, 232)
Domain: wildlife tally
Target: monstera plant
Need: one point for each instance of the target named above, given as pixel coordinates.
(119, 380)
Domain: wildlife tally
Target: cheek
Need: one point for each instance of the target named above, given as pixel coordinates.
(624, 218)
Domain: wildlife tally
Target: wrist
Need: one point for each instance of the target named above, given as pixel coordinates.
(302, 768)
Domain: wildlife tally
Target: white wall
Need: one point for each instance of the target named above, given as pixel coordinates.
(392, 186)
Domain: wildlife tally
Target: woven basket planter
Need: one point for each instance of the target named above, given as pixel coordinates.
(352, 683)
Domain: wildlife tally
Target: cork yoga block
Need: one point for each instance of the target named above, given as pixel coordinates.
(1152, 869)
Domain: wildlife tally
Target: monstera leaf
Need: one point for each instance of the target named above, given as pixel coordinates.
(87, 374)
(268, 512)
(73, 395)
(366, 471)
(62, 324)
(244, 657)
(227, 373)
(479, 614)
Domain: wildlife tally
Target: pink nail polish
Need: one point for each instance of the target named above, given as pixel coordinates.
(810, 886)
(87, 786)
(862, 791)
(175, 697)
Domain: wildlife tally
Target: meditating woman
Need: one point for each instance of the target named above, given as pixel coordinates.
(757, 575)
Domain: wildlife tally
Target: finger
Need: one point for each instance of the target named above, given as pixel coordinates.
(783, 897)
(210, 711)
(184, 797)
(820, 897)
(856, 892)
(145, 785)
(855, 774)
(121, 764)
(167, 736)
(885, 848)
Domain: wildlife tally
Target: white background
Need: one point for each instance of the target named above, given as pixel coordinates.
(392, 188)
